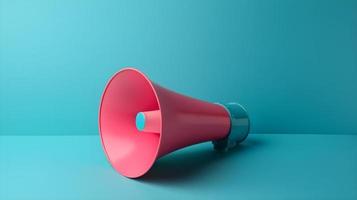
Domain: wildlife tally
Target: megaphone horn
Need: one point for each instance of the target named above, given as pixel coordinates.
(140, 121)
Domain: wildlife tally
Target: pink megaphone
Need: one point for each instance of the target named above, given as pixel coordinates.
(140, 121)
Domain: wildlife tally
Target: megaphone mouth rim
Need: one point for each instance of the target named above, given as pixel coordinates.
(143, 75)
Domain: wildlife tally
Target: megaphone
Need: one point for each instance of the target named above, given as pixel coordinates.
(140, 121)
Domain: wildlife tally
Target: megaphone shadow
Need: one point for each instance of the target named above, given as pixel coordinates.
(187, 164)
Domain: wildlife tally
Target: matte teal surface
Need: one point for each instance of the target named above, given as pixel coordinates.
(291, 63)
(265, 166)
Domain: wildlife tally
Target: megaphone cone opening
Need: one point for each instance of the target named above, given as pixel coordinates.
(130, 151)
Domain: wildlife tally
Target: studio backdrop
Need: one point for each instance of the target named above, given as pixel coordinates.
(292, 64)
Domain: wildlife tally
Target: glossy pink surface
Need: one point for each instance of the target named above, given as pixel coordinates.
(184, 121)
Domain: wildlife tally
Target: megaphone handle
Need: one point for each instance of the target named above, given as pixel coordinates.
(239, 128)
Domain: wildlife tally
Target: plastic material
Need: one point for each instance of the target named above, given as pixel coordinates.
(171, 121)
(239, 129)
(149, 121)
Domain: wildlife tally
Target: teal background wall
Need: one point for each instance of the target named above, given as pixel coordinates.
(292, 64)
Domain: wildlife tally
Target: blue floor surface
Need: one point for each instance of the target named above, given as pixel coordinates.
(265, 166)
